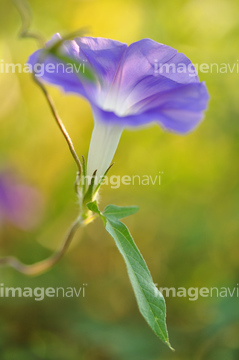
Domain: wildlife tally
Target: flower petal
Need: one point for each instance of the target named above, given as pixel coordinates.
(178, 110)
(130, 91)
(102, 55)
(138, 76)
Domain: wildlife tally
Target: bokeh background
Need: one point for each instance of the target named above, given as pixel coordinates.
(187, 228)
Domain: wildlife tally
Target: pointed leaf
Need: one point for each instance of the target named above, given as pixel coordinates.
(89, 194)
(119, 212)
(150, 301)
(92, 206)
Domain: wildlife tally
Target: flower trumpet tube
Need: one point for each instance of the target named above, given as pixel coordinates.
(104, 141)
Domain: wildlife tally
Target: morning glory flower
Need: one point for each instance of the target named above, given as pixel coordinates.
(20, 204)
(134, 86)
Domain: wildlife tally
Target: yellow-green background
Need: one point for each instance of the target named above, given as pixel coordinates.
(187, 228)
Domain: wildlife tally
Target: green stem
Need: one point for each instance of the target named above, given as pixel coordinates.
(42, 266)
(25, 14)
(60, 124)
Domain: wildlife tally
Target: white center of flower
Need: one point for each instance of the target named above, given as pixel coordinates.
(112, 100)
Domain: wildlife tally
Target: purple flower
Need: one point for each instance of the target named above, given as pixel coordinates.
(20, 205)
(135, 85)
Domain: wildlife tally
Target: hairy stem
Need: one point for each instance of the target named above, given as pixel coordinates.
(84, 218)
(44, 265)
(60, 124)
(25, 13)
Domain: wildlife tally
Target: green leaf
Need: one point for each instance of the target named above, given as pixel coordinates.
(102, 179)
(92, 206)
(89, 194)
(119, 212)
(150, 301)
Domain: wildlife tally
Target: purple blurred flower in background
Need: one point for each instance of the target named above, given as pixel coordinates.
(20, 205)
(128, 92)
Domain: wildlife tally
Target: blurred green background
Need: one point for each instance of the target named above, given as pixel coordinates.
(187, 228)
